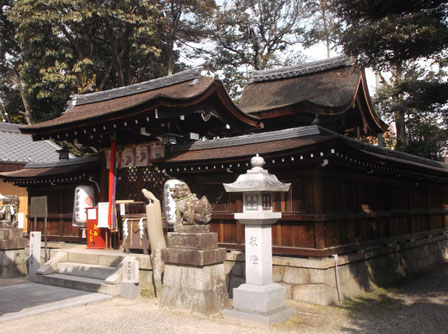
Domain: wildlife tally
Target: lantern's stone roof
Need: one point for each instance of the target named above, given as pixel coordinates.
(257, 179)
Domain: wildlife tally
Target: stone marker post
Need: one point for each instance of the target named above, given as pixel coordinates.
(259, 299)
(34, 257)
(130, 286)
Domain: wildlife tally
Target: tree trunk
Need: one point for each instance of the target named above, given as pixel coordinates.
(400, 126)
(324, 19)
(27, 110)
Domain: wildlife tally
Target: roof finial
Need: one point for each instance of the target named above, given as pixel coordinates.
(257, 161)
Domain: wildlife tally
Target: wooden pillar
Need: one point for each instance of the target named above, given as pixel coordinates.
(103, 180)
(319, 228)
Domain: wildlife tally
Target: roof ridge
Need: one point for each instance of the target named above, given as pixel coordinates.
(253, 138)
(393, 153)
(68, 162)
(301, 69)
(140, 87)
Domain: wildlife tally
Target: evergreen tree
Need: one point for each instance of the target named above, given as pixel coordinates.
(80, 46)
(396, 36)
(256, 35)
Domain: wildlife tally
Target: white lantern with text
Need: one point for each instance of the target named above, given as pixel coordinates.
(259, 299)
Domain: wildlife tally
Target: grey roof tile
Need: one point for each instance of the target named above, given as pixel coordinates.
(18, 148)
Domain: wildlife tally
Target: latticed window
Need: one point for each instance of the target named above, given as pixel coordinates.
(131, 180)
(251, 202)
(153, 180)
(267, 201)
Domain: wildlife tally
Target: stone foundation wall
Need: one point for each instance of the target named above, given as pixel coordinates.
(313, 280)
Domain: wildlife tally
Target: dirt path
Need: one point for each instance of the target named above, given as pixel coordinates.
(417, 305)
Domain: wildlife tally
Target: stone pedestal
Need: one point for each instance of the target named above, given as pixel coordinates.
(194, 275)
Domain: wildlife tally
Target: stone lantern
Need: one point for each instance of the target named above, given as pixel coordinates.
(259, 299)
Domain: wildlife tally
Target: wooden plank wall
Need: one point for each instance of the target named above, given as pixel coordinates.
(328, 212)
(60, 201)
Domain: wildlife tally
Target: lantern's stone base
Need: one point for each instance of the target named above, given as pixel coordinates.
(270, 318)
(260, 303)
(194, 276)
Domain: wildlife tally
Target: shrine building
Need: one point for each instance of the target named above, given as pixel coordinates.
(382, 213)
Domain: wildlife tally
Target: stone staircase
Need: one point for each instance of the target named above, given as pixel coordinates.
(84, 269)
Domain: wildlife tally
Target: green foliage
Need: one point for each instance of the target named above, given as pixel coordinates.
(399, 36)
(422, 95)
(64, 47)
(385, 33)
(255, 35)
(186, 22)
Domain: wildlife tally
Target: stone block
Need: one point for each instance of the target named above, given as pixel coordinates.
(81, 257)
(206, 302)
(259, 298)
(145, 277)
(107, 260)
(129, 290)
(351, 289)
(6, 258)
(191, 228)
(315, 293)
(295, 276)
(271, 318)
(145, 262)
(193, 240)
(316, 276)
(277, 274)
(130, 270)
(172, 275)
(198, 289)
(4, 234)
(287, 287)
(193, 257)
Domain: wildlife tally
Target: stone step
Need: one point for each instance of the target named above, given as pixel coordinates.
(85, 270)
(79, 283)
(95, 257)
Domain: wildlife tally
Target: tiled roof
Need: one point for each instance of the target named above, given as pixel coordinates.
(18, 148)
(256, 138)
(284, 140)
(56, 168)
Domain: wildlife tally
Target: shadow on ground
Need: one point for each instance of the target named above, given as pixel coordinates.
(418, 304)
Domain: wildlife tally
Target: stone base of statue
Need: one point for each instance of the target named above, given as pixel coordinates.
(194, 277)
(260, 303)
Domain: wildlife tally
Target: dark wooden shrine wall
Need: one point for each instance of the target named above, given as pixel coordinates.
(60, 201)
(326, 209)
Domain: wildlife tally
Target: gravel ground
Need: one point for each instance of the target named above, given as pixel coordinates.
(416, 305)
